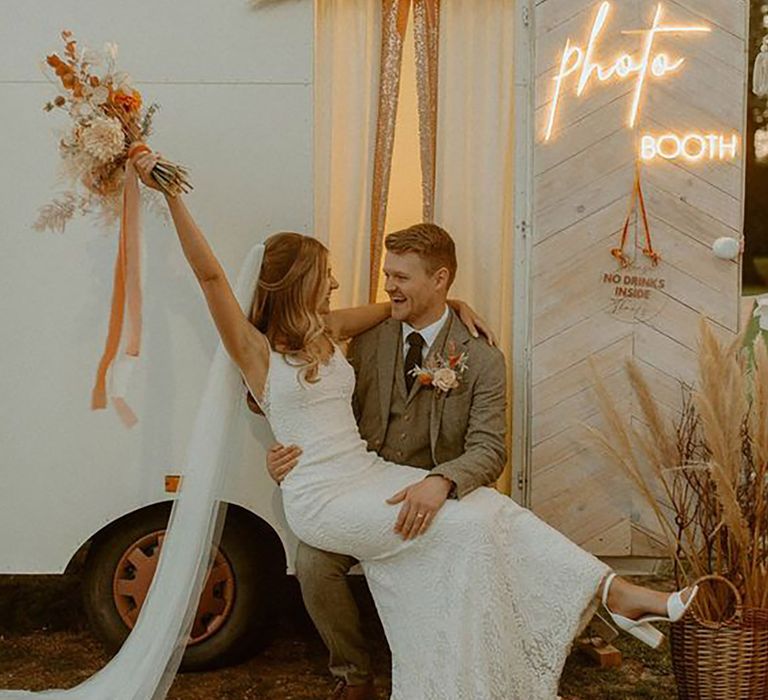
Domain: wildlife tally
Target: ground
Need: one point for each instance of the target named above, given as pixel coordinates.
(44, 643)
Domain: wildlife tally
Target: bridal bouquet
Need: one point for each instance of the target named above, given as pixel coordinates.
(107, 127)
(107, 116)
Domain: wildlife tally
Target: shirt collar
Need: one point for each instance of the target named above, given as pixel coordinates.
(429, 333)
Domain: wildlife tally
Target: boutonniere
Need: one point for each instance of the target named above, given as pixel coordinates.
(443, 373)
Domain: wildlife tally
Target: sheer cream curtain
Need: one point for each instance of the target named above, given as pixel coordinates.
(347, 59)
(463, 66)
(475, 155)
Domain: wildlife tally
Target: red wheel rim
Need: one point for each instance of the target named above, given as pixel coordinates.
(134, 574)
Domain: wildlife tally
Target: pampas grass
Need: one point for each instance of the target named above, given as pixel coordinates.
(704, 475)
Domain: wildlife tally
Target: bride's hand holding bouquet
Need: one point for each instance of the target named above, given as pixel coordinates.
(145, 161)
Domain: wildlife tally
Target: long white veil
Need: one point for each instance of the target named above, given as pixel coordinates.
(147, 663)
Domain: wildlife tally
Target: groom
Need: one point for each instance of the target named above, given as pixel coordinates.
(457, 437)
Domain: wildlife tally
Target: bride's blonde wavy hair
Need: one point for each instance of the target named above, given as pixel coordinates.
(294, 272)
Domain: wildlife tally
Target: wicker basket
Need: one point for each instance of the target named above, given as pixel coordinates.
(722, 660)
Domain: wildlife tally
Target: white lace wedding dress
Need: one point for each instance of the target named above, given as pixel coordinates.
(484, 606)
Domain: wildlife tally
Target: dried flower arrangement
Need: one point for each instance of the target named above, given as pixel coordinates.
(705, 474)
(106, 114)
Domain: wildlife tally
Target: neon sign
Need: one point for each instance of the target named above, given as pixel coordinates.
(691, 147)
(649, 64)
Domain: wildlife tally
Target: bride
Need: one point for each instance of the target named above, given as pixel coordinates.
(486, 603)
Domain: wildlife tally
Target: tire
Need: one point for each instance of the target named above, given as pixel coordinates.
(250, 566)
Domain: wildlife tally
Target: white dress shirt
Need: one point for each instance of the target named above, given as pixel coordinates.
(429, 334)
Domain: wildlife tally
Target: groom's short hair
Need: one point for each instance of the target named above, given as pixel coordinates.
(430, 242)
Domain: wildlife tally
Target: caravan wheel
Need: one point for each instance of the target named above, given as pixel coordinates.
(235, 610)
(136, 568)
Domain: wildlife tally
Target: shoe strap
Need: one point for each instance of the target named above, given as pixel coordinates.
(676, 607)
(606, 588)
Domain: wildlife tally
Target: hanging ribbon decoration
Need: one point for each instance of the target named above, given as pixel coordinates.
(637, 197)
(126, 301)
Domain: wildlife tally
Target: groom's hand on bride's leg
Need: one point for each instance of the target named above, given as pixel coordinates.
(281, 459)
(421, 501)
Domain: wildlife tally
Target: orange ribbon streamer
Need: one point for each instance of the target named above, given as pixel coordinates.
(126, 294)
(648, 251)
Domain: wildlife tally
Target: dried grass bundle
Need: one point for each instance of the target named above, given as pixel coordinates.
(705, 475)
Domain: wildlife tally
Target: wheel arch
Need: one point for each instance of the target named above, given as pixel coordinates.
(276, 541)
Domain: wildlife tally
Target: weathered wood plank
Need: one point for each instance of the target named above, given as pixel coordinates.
(681, 322)
(665, 353)
(730, 15)
(582, 134)
(677, 211)
(585, 199)
(719, 306)
(694, 190)
(558, 183)
(550, 15)
(694, 256)
(576, 343)
(560, 387)
(582, 235)
(569, 444)
(549, 422)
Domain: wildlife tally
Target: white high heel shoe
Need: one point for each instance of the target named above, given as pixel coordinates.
(641, 628)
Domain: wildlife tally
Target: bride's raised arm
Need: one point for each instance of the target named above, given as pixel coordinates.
(247, 347)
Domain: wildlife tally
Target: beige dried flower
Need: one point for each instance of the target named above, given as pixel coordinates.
(100, 95)
(103, 139)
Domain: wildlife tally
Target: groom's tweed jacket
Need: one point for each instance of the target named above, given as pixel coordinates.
(461, 434)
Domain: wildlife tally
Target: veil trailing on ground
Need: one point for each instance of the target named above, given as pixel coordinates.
(147, 663)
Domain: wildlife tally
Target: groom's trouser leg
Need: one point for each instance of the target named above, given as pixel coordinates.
(332, 607)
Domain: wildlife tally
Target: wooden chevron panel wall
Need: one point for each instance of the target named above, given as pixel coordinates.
(626, 88)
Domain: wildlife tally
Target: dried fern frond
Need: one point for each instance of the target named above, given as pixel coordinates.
(145, 127)
(55, 215)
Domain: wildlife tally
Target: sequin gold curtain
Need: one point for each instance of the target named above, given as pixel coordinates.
(395, 14)
(426, 16)
(393, 26)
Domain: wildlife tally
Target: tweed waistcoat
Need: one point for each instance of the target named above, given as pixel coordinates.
(407, 438)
